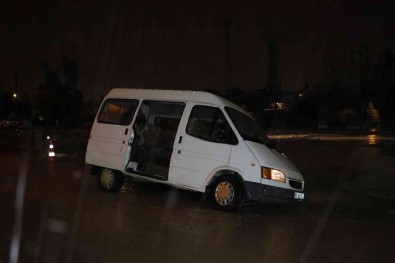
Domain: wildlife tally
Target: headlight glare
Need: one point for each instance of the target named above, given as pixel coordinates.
(278, 175)
(273, 174)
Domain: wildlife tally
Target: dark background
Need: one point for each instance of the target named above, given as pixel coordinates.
(181, 45)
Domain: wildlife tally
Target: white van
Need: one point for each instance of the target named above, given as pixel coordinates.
(192, 140)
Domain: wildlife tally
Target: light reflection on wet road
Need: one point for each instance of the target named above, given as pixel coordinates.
(369, 138)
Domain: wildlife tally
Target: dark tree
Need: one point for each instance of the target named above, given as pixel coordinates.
(6, 105)
(51, 76)
(14, 108)
(70, 73)
(59, 98)
(383, 86)
(346, 85)
(273, 84)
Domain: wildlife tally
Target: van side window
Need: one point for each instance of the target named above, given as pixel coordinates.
(209, 123)
(117, 111)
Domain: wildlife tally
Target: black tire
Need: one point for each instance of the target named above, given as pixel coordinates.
(226, 193)
(110, 180)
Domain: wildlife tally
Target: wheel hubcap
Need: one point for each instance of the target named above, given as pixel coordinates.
(107, 178)
(224, 193)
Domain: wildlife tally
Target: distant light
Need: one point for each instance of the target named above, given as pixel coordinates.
(372, 139)
(48, 138)
(14, 95)
(51, 146)
(51, 154)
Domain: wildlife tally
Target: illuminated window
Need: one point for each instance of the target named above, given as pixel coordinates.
(117, 111)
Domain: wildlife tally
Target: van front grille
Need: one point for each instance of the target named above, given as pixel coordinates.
(296, 184)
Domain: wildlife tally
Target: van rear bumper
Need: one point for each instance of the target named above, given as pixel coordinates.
(270, 194)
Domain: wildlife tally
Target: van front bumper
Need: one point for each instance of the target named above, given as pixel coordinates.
(270, 194)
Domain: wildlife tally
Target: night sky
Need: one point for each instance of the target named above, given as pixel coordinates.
(181, 45)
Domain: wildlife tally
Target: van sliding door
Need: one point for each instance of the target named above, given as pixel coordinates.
(155, 130)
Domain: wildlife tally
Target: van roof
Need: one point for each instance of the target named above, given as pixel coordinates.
(174, 95)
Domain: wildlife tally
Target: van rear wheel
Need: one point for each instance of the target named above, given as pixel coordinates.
(226, 193)
(110, 180)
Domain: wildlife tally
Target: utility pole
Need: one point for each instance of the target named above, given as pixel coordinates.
(16, 70)
(143, 51)
(15, 94)
(273, 84)
(228, 56)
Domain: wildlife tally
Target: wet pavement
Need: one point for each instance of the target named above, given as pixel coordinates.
(66, 218)
(368, 138)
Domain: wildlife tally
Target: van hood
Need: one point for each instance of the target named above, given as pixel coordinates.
(272, 159)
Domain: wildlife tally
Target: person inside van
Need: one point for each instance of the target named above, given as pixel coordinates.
(139, 126)
(139, 153)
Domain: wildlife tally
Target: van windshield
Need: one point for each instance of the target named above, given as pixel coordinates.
(248, 128)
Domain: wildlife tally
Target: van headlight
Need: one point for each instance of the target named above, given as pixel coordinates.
(273, 174)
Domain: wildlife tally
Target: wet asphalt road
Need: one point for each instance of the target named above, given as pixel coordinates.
(66, 218)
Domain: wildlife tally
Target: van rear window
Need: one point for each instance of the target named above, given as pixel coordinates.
(117, 111)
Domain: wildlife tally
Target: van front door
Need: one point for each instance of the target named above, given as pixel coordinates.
(203, 146)
(111, 131)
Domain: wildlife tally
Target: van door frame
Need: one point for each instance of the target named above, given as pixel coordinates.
(99, 138)
(128, 157)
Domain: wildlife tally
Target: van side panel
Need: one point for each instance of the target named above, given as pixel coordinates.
(242, 159)
(193, 165)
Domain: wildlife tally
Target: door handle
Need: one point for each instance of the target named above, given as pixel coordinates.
(126, 131)
(180, 139)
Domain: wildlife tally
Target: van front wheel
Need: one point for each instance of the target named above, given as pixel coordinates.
(110, 180)
(226, 193)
